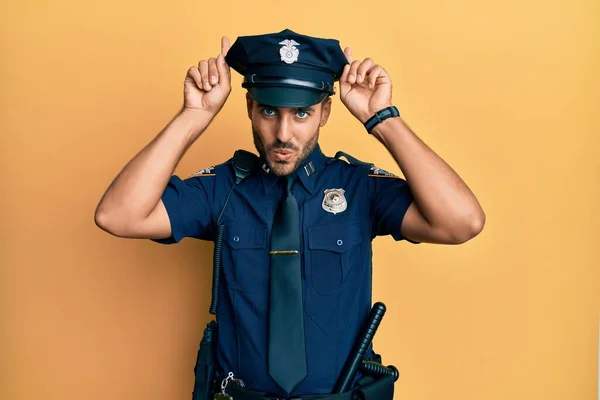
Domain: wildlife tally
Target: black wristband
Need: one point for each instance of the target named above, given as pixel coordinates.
(380, 116)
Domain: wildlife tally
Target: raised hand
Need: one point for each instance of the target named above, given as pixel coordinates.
(365, 87)
(208, 84)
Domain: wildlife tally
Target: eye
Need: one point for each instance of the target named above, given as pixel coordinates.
(302, 114)
(268, 112)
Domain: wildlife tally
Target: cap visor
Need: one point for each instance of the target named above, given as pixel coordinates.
(285, 96)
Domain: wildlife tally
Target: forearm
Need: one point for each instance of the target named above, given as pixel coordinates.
(441, 196)
(137, 189)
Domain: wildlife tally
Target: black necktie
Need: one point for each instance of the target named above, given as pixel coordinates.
(287, 353)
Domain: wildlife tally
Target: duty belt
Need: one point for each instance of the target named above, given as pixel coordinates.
(367, 388)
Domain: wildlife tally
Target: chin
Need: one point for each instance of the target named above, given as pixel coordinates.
(282, 168)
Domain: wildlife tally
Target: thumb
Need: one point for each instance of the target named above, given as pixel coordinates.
(224, 72)
(225, 45)
(348, 53)
(344, 84)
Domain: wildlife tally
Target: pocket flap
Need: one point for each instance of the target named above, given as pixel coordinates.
(243, 237)
(337, 238)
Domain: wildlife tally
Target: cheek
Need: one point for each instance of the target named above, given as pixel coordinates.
(262, 132)
(305, 131)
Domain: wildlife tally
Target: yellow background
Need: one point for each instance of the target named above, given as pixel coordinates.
(505, 91)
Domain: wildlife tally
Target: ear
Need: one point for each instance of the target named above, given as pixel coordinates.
(249, 105)
(325, 111)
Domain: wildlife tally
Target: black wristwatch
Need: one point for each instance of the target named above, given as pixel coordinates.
(380, 116)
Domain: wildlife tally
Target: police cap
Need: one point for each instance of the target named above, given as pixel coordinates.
(287, 69)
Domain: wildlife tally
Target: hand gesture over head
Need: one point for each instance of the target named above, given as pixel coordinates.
(208, 84)
(365, 87)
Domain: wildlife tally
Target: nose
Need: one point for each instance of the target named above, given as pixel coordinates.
(284, 129)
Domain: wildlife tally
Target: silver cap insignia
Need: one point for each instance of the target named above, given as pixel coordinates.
(334, 201)
(289, 52)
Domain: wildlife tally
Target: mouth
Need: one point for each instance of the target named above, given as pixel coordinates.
(282, 155)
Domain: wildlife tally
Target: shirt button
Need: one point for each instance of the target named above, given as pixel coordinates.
(340, 242)
(236, 238)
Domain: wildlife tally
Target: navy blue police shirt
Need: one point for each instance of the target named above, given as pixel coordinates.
(336, 256)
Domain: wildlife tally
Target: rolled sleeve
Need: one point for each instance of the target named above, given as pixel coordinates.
(188, 205)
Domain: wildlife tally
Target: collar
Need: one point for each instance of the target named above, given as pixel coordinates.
(307, 172)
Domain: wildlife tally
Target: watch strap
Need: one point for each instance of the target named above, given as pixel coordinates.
(381, 116)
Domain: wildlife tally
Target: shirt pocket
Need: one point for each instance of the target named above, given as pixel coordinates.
(245, 259)
(333, 251)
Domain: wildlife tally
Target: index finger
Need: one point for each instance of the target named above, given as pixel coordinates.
(225, 45)
(348, 53)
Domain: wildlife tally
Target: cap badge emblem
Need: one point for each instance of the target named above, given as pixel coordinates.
(334, 201)
(289, 52)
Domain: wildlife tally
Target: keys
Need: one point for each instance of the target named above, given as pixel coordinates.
(224, 396)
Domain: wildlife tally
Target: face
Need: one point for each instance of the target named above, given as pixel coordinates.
(285, 137)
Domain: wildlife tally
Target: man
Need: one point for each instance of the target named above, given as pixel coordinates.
(296, 231)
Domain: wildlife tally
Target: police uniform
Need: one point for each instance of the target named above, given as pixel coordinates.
(343, 205)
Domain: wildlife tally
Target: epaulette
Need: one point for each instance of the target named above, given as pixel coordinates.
(242, 163)
(351, 160)
(374, 171)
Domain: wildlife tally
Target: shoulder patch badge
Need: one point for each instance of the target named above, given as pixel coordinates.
(334, 201)
(378, 172)
(210, 171)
